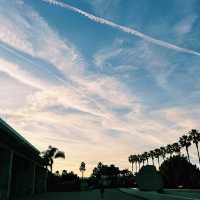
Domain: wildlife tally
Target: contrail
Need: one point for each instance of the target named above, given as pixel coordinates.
(125, 29)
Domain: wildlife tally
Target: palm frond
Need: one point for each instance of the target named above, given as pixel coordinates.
(60, 154)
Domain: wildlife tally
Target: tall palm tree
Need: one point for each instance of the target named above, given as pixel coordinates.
(163, 152)
(49, 155)
(157, 154)
(185, 142)
(146, 156)
(135, 160)
(139, 161)
(169, 149)
(151, 153)
(194, 136)
(131, 160)
(82, 168)
(57, 173)
(176, 148)
(142, 157)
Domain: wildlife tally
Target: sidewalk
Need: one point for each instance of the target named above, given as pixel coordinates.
(169, 195)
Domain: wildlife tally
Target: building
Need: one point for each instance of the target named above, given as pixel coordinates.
(21, 170)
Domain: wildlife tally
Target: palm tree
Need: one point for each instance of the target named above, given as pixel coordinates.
(157, 154)
(169, 149)
(151, 153)
(57, 173)
(176, 148)
(82, 168)
(135, 160)
(64, 172)
(194, 136)
(139, 160)
(49, 155)
(185, 142)
(142, 157)
(146, 156)
(163, 152)
(131, 160)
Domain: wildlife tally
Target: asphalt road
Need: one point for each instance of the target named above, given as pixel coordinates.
(110, 194)
(114, 194)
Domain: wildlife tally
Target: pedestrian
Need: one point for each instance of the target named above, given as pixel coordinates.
(102, 184)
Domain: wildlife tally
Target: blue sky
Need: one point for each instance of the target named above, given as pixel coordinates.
(121, 78)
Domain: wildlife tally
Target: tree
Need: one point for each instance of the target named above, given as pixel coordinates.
(146, 156)
(185, 142)
(64, 172)
(105, 170)
(169, 149)
(178, 171)
(131, 160)
(152, 156)
(194, 136)
(82, 168)
(135, 159)
(57, 173)
(97, 171)
(163, 152)
(63, 182)
(176, 148)
(125, 172)
(113, 170)
(139, 160)
(49, 155)
(142, 157)
(157, 154)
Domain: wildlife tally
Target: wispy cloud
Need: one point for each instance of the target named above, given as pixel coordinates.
(75, 112)
(185, 25)
(58, 101)
(123, 28)
(32, 35)
(16, 72)
(139, 61)
(109, 8)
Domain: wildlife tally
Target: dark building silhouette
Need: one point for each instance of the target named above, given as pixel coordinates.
(21, 169)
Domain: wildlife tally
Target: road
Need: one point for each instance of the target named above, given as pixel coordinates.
(110, 194)
(114, 194)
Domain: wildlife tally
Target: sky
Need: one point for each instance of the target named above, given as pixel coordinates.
(100, 79)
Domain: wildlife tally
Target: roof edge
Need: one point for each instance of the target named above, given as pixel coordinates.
(18, 135)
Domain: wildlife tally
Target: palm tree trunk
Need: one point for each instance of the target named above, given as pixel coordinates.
(153, 161)
(197, 147)
(163, 158)
(51, 168)
(139, 166)
(158, 162)
(51, 165)
(82, 175)
(147, 161)
(188, 154)
(136, 167)
(132, 166)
